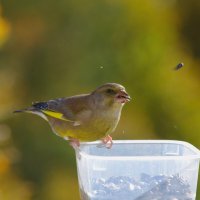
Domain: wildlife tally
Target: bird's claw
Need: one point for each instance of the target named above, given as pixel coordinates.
(106, 142)
(74, 143)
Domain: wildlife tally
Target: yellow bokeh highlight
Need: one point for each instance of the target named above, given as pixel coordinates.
(4, 163)
(4, 29)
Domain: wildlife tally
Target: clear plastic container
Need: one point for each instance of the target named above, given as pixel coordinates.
(138, 170)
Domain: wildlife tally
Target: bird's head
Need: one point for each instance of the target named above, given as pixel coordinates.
(111, 94)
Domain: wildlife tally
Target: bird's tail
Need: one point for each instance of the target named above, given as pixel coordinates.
(36, 109)
(31, 109)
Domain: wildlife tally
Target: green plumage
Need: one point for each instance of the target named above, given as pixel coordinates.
(86, 117)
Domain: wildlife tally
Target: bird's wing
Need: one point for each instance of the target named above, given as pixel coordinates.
(49, 108)
(72, 109)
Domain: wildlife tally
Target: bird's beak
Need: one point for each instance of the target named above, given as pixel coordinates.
(123, 96)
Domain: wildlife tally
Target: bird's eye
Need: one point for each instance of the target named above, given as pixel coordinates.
(110, 91)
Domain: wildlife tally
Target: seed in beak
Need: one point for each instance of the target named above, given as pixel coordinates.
(123, 95)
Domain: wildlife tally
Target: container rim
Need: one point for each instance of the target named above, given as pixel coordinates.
(167, 157)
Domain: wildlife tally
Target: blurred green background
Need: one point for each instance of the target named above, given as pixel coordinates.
(52, 49)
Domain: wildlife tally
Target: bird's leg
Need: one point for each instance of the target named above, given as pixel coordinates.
(74, 143)
(107, 141)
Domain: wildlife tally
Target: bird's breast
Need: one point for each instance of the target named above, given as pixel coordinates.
(106, 121)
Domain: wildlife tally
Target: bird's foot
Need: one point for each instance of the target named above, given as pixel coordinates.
(74, 143)
(107, 142)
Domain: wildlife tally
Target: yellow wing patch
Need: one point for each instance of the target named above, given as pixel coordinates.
(56, 115)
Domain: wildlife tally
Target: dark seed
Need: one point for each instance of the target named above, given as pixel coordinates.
(180, 65)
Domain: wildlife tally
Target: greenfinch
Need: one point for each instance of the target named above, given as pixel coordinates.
(85, 117)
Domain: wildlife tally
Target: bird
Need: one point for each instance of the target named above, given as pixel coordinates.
(86, 117)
